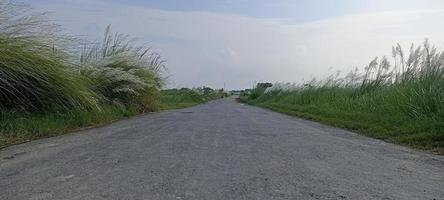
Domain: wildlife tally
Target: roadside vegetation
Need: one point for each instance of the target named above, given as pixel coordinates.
(185, 97)
(49, 87)
(400, 101)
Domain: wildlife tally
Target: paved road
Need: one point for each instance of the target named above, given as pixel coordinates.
(221, 150)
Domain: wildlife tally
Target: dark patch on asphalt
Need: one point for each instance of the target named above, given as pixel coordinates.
(14, 155)
(8, 157)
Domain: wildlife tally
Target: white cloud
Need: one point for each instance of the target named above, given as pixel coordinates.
(205, 48)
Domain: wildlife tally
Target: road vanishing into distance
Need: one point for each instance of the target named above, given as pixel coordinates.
(220, 150)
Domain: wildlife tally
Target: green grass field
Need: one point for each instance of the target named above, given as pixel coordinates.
(397, 128)
(19, 127)
(402, 104)
(181, 98)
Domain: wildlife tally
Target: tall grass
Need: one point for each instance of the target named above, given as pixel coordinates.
(122, 73)
(400, 101)
(45, 89)
(33, 75)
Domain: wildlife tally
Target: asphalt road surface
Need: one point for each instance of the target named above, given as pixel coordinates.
(220, 150)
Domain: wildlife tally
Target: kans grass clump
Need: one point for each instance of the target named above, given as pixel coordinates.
(35, 72)
(124, 74)
(400, 101)
(45, 90)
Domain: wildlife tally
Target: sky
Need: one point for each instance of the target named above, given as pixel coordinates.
(237, 43)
